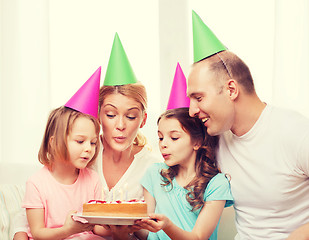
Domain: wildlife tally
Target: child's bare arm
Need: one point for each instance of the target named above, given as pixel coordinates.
(204, 226)
(38, 230)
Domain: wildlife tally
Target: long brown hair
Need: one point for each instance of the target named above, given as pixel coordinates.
(205, 162)
(58, 127)
(135, 91)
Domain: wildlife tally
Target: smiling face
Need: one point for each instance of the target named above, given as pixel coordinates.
(81, 142)
(121, 117)
(210, 99)
(175, 144)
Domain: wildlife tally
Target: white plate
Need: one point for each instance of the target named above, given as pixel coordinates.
(107, 220)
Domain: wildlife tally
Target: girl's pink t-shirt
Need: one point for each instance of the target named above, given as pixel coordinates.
(57, 200)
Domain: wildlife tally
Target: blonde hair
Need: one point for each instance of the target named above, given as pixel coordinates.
(58, 127)
(136, 91)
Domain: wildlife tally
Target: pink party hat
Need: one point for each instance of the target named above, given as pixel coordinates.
(86, 99)
(178, 96)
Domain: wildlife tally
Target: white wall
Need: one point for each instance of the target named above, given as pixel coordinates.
(24, 78)
(174, 43)
(50, 47)
(291, 51)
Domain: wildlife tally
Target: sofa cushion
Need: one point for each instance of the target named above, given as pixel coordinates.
(11, 196)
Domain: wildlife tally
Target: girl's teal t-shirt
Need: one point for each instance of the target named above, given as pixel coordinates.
(173, 203)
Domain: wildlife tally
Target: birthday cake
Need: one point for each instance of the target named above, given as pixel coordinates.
(132, 208)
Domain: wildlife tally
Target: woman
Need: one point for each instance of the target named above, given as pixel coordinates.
(124, 155)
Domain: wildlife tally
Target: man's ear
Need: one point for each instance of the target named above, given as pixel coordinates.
(233, 88)
(144, 120)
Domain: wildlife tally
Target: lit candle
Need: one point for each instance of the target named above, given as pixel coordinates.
(121, 194)
(114, 194)
(105, 194)
(125, 187)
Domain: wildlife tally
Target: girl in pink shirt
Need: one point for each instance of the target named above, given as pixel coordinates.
(70, 144)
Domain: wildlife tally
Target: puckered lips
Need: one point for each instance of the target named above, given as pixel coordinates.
(166, 156)
(84, 158)
(119, 139)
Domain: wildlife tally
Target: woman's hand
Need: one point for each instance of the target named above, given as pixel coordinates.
(122, 232)
(21, 236)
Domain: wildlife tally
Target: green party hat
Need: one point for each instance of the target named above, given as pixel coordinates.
(205, 43)
(119, 70)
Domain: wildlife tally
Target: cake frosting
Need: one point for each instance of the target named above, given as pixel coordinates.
(131, 208)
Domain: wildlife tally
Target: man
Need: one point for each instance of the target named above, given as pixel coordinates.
(264, 149)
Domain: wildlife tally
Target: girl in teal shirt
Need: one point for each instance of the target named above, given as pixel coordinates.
(186, 194)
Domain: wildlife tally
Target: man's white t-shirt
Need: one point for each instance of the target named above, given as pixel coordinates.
(269, 169)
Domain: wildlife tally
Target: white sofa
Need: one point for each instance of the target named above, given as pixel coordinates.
(13, 177)
(12, 189)
(10, 199)
(227, 229)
